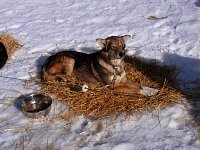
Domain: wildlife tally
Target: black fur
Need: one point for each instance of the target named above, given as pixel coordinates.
(3, 55)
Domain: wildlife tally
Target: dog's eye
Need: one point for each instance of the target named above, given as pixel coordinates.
(122, 46)
(113, 47)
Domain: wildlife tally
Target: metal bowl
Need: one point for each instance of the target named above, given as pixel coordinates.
(36, 105)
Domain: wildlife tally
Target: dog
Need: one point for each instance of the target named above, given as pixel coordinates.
(3, 55)
(105, 66)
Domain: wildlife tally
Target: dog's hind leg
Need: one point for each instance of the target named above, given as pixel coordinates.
(134, 89)
(68, 66)
(58, 70)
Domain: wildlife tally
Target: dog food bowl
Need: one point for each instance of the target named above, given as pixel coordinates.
(36, 105)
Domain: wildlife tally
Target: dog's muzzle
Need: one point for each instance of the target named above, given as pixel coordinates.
(117, 55)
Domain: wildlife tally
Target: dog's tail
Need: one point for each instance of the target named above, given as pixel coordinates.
(46, 76)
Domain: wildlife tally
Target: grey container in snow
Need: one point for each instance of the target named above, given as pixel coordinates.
(36, 105)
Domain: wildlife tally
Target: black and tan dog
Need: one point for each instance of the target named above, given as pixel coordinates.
(105, 66)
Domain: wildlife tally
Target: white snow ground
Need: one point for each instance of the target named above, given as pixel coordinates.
(46, 26)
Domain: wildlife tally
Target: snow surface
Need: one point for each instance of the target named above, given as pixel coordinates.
(47, 26)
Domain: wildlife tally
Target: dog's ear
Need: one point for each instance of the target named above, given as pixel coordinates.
(101, 42)
(125, 37)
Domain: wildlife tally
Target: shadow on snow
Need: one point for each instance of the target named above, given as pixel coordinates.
(197, 3)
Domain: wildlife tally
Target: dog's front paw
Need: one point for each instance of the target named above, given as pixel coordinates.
(147, 91)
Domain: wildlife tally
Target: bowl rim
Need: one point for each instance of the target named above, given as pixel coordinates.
(31, 95)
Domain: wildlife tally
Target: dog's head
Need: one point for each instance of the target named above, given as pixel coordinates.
(114, 48)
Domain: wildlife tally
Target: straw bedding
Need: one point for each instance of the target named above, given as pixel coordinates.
(100, 102)
(10, 43)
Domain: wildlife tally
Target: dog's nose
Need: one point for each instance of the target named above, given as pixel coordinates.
(121, 54)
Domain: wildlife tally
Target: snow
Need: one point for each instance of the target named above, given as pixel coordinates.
(47, 26)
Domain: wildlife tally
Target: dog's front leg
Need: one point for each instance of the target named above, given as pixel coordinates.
(126, 88)
(130, 88)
